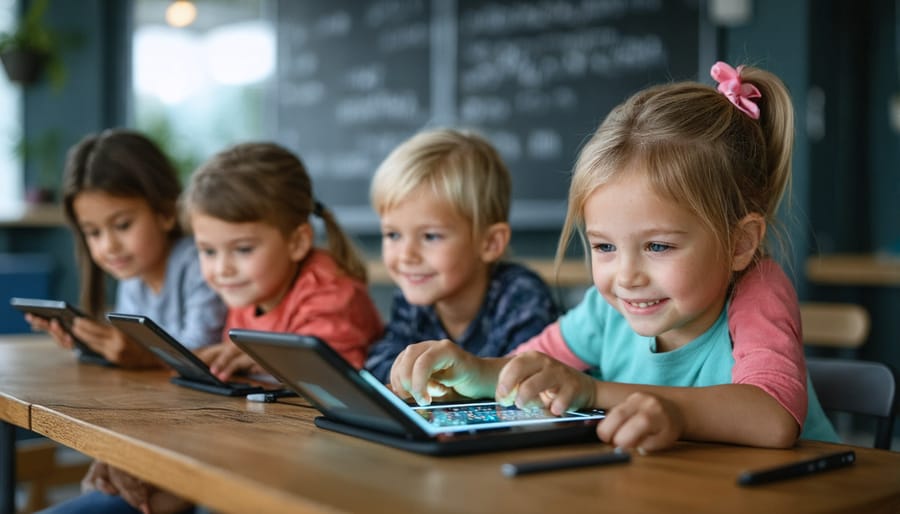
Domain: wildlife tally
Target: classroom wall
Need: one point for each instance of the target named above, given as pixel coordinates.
(92, 98)
(808, 46)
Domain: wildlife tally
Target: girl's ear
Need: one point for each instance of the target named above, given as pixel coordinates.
(300, 242)
(749, 235)
(495, 241)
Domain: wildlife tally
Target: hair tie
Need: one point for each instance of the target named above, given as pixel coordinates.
(318, 208)
(737, 92)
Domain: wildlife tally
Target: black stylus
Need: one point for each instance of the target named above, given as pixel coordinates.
(594, 459)
(798, 469)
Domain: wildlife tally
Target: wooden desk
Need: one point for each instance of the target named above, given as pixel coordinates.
(235, 456)
(854, 270)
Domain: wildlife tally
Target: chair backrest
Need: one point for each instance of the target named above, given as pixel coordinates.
(842, 325)
(858, 387)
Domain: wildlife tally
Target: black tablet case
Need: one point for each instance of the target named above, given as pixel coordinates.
(192, 372)
(65, 313)
(351, 406)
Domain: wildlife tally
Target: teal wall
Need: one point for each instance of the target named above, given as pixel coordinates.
(845, 183)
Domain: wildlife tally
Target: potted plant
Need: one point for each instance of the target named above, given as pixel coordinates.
(31, 48)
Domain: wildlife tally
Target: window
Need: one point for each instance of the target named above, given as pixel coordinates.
(202, 87)
(11, 173)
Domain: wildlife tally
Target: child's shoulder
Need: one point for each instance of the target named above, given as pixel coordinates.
(182, 262)
(513, 283)
(514, 272)
(183, 248)
(764, 279)
(514, 278)
(321, 269)
(320, 263)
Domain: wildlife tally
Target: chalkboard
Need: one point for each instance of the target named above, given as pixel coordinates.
(356, 78)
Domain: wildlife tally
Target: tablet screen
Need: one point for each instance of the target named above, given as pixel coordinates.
(491, 413)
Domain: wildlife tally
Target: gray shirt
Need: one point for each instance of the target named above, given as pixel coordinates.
(185, 307)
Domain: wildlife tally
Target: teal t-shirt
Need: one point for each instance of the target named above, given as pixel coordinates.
(603, 339)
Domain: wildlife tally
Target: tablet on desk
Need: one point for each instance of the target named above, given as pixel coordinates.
(355, 403)
(192, 372)
(65, 314)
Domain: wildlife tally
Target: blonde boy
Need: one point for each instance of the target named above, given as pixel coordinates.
(443, 197)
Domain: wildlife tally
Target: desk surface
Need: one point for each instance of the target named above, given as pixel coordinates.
(854, 269)
(236, 456)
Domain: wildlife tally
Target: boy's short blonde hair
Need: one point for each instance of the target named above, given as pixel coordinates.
(458, 166)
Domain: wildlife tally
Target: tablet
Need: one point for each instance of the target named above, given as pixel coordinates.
(65, 314)
(355, 403)
(192, 372)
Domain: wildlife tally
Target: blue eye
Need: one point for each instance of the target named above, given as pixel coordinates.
(207, 252)
(244, 249)
(432, 236)
(604, 247)
(658, 247)
(390, 236)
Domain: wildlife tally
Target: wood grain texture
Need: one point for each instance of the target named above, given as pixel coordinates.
(238, 456)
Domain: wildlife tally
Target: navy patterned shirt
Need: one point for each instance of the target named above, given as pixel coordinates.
(517, 306)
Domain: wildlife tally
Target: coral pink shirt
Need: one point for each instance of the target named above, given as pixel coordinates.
(764, 321)
(323, 302)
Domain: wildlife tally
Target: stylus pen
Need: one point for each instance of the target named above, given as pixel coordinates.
(514, 469)
(271, 396)
(798, 469)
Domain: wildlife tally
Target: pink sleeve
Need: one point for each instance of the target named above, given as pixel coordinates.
(550, 341)
(764, 320)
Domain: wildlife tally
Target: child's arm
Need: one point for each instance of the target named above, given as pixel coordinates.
(519, 306)
(203, 310)
(550, 341)
(52, 327)
(137, 493)
(649, 417)
(226, 360)
(764, 321)
(412, 367)
(654, 417)
(436, 368)
(397, 336)
(113, 344)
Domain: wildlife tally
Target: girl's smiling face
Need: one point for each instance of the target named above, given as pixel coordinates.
(654, 261)
(124, 235)
(248, 263)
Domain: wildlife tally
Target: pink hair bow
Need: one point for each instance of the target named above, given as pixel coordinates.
(730, 85)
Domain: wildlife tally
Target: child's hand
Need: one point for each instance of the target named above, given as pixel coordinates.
(433, 369)
(130, 488)
(532, 379)
(97, 479)
(644, 421)
(52, 327)
(226, 359)
(164, 502)
(113, 344)
(142, 496)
